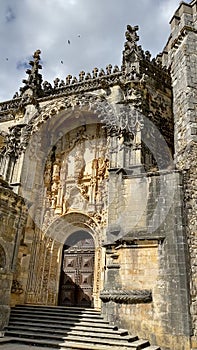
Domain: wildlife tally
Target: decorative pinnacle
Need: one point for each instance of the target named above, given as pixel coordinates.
(131, 41)
(34, 80)
(132, 53)
(131, 34)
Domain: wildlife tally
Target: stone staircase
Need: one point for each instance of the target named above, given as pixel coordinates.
(69, 328)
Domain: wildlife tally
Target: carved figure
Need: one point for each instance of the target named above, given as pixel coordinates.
(102, 166)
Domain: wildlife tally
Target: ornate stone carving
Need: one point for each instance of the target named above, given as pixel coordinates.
(74, 199)
(126, 296)
(7, 229)
(131, 41)
(13, 141)
(2, 257)
(25, 136)
(3, 136)
(6, 117)
(74, 180)
(47, 87)
(16, 140)
(16, 287)
(122, 121)
(132, 53)
(79, 162)
(33, 83)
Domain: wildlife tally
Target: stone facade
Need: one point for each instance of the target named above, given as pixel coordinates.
(12, 218)
(150, 259)
(112, 154)
(181, 52)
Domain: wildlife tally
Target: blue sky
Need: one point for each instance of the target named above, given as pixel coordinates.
(95, 29)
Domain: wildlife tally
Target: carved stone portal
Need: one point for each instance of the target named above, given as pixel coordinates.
(74, 199)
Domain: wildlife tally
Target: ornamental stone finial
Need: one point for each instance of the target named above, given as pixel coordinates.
(130, 45)
(131, 34)
(132, 53)
(34, 81)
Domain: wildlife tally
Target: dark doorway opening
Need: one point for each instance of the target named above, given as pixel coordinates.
(77, 270)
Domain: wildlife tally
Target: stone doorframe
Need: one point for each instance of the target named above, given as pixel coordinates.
(62, 228)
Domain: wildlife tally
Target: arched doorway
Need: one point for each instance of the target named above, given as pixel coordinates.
(77, 270)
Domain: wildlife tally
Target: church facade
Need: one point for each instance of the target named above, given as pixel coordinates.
(98, 190)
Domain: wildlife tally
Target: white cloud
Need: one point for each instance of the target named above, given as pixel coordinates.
(167, 9)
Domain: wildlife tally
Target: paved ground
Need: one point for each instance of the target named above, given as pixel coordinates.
(12, 346)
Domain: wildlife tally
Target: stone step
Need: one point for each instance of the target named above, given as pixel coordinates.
(152, 347)
(101, 334)
(5, 340)
(53, 307)
(80, 332)
(61, 314)
(58, 318)
(66, 346)
(51, 325)
(64, 321)
(84, 346)
(80, 339)
(58, 309)
(138, 344)
(141, 344)
(70, 328)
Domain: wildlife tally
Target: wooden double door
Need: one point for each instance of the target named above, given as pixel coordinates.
(77, 272)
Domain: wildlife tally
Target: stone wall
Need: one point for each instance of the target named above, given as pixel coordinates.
(12, 221)
(190, 200)
(182, 58)
(147, 259)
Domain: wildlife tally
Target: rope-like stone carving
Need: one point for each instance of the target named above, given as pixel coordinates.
(126, 296)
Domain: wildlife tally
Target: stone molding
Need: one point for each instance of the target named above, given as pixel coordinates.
(126, 296)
